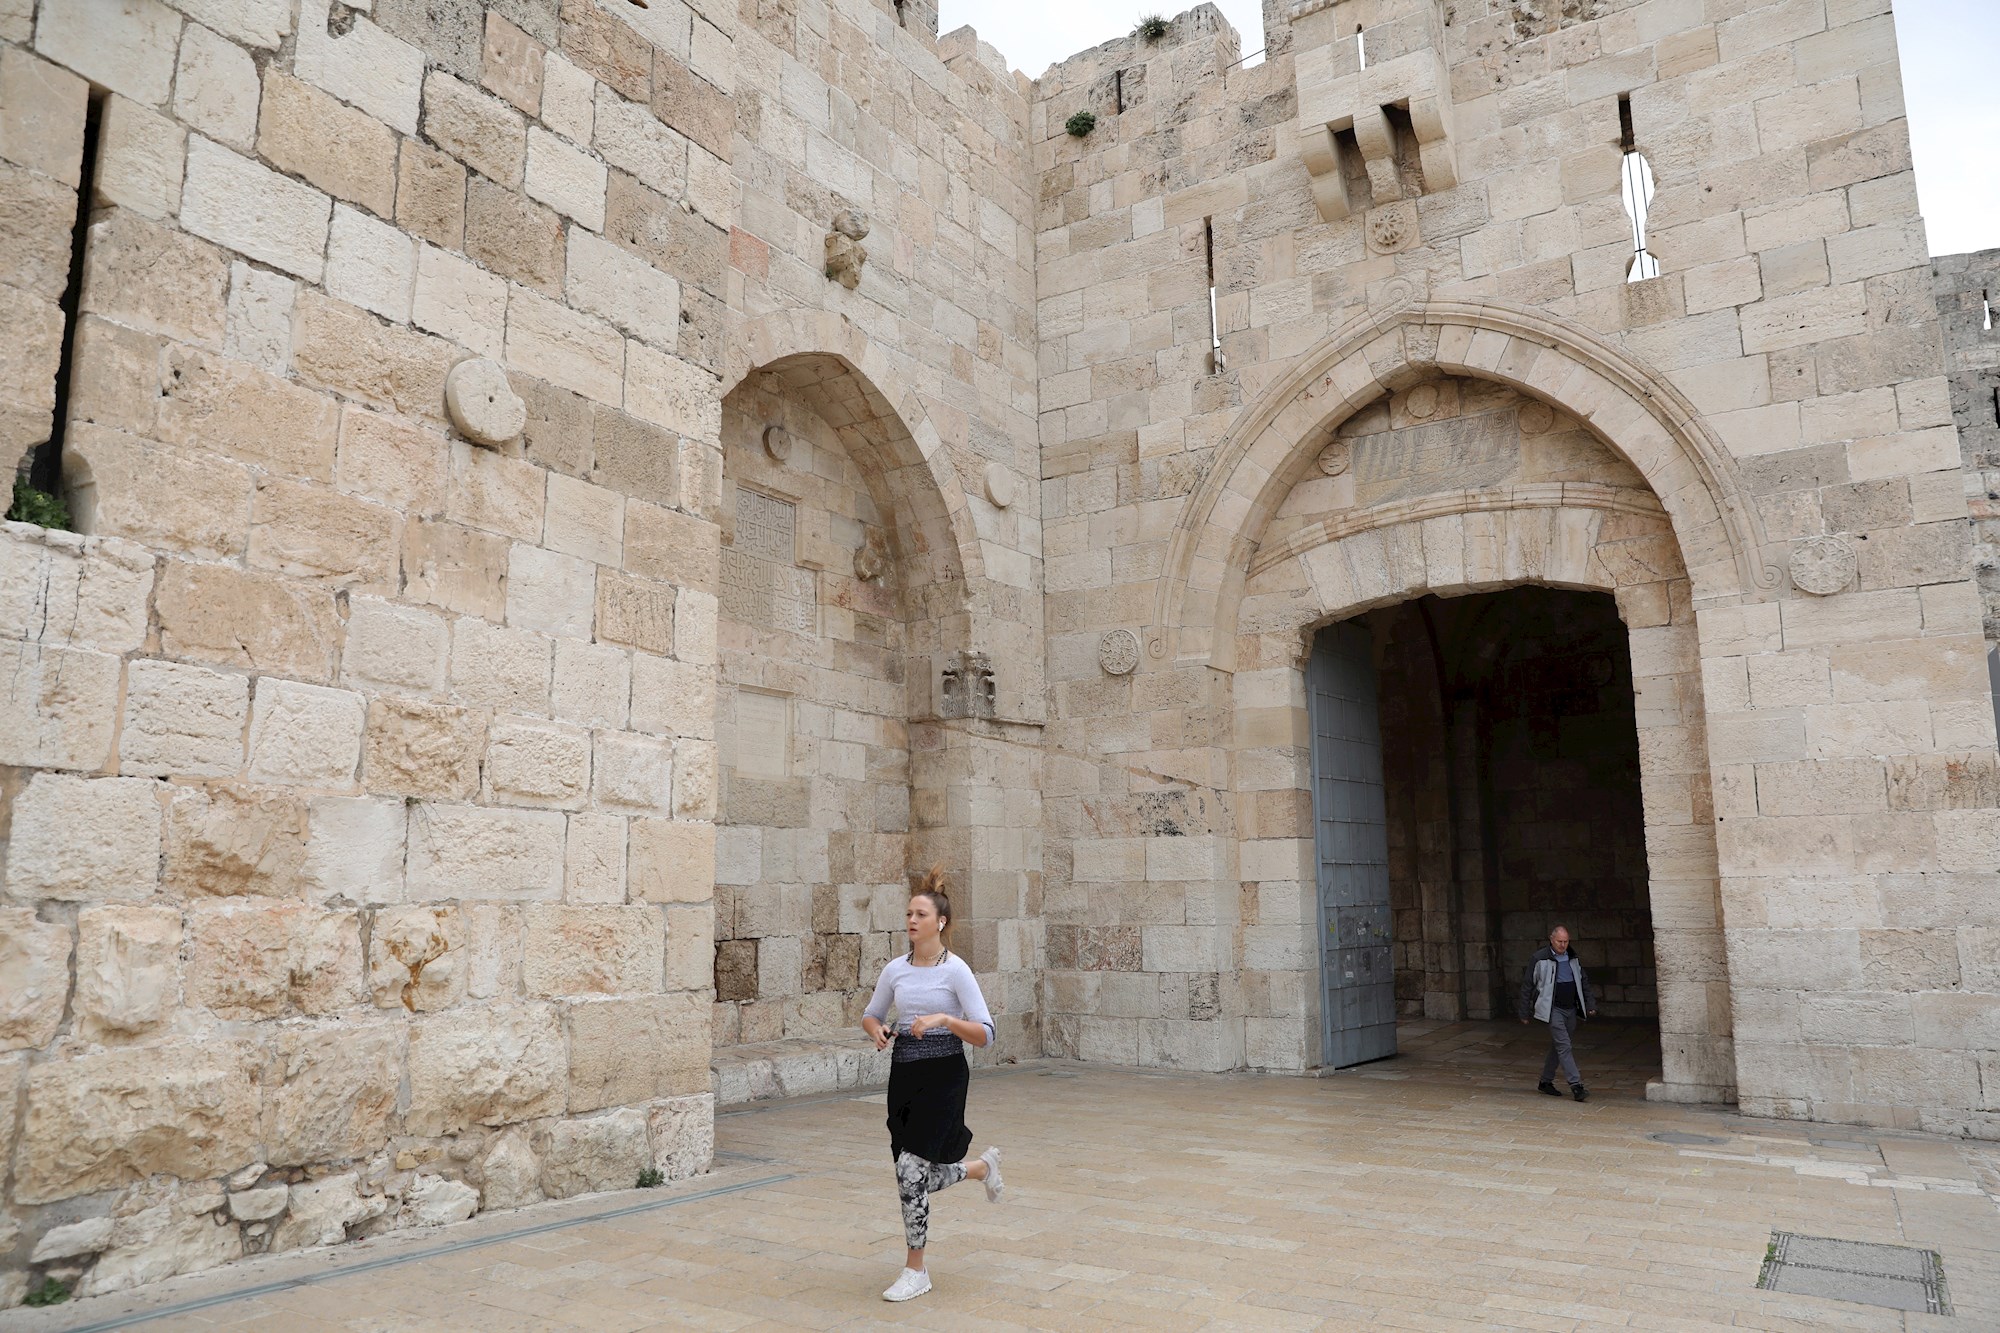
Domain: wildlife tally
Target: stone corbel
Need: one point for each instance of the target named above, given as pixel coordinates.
(1337, 95)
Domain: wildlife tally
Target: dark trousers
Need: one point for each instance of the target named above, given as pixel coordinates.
(1562, 1030)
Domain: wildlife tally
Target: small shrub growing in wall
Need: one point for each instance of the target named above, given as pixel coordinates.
(1152, 28)
(651, 1178)
(37, 507)
(1080, 124)
(47, 1292)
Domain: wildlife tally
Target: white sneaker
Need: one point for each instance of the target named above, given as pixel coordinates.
(992, 1182)
(909, 1284)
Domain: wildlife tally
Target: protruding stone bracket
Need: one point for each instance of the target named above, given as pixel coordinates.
(1355, 84)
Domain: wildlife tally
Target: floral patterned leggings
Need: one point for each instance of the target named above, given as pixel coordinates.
(916, 1181)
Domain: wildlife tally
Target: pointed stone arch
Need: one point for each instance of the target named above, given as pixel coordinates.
(847, 378)
(1636, 411)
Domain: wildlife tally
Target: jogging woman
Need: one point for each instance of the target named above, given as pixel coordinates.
(938, 1010)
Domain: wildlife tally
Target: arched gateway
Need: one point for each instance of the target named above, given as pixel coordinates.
(1443, 451)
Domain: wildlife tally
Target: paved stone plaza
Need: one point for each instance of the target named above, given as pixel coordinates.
(1435, 1190)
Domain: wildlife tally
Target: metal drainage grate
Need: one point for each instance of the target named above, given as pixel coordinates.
(1680, 1136)
(1899, 1277)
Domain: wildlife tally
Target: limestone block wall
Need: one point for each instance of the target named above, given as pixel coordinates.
(926, 369)
(358, 860)
(1966, 287)
(1780, 389)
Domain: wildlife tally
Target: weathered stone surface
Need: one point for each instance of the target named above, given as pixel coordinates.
(514, 236)
(305, 735)
(635, 612)
(197, 505)
(396, 647)
(354, 850)
(85, 839)
(683, 1132)
(634, 774)
(492, 1066)
(182, 720)
(419, 749)
(340, 347)
(470, 852)
(262, 961)
(147, 276)
(250, 208)
(259, 1205)
(535, 763)
(213, 403)
(577, 950)
(34, 978)
(158, 1243)
(430, 195)
(90, 1236)
(223, 841)
(232, 617)
(598, 1153)
(511, 1172)
(672, 861)
(624, 1051)
(433, 1201)
(456, 568)
(500, 668)
(94, 1122)
(127, 971)
(320, 1213)
(417, 958)
(343, 151)
(331, 1092)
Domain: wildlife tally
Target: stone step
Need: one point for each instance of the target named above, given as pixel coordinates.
(768, 1070)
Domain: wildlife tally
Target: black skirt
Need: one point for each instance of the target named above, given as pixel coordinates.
(927, 1108)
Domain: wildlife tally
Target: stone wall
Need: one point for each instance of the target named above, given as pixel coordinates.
(360, 860)
(1787, 539)
(1966, 287)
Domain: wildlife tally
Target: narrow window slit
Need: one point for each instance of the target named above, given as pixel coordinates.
(1637, 189)
(1360, 46)
(1118, 93)
(1215, 365)
(1996, 407)
(45, 472)
(1986, 304)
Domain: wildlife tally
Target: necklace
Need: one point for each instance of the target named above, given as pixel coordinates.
(916, 962)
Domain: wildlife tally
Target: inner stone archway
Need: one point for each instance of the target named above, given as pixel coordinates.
(1513, 798)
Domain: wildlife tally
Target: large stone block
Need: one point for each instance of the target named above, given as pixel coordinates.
(307, 735)
(34, 211)
(198, 505)
(499, 494)
(457, 568)
(343, 151)
(673, 698)
(499, 668)
(610, 950)
(222, 842)
(127, 971)
(419, 749)
(95, 1122)
(61, 709)
(602, 1152)
(592, 684)
(514, 236)
(633, 773)
(341, 347)
(480, 131)
(636, 612)
(85, 839)
(626, 1051)
(529, 762)
(224, 406)
(672, 861)
(491, 1066)
(252, 209)
(216, 87)
(469, 852)
(330, 1092)
(124, 45)
(361, 64)
(257, 961)
(354, 850)
(595, 869)
(395, 647)
(234, 617)
(149, 277)
(41, 119)
(683, 1130)
(418, 959)
(549, 592)
(160, 1242)
(430, 195)
(34, 978)
(182, 720)
(319, 1212)
(371, 264)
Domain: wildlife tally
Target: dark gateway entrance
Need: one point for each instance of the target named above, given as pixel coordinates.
(1499, 795)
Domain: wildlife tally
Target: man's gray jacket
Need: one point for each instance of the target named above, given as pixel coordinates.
(1538, 985)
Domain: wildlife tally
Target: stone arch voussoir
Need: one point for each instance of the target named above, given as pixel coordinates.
(1637, 412)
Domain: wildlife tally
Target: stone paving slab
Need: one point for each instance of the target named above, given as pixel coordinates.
(1434, 1191)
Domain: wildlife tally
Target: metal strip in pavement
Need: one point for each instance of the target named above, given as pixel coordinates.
(415, 1256)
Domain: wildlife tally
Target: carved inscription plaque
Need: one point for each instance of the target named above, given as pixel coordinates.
(765, 527)
(761, 585)
(763, 734)
(1435, 456)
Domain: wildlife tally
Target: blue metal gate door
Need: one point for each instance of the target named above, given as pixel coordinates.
(1351, 839)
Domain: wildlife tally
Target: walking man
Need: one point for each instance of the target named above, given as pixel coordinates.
(1555, 990)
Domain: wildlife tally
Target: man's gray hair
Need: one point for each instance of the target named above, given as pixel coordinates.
(1559, 926)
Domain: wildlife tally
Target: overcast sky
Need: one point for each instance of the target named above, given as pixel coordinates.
(1947, 46)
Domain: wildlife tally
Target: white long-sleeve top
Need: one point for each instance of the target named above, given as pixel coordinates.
(946, 987)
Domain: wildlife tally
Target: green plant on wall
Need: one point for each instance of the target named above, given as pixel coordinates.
(37, 507)
(47, 1292)
(1080, 124)
(1152, 28)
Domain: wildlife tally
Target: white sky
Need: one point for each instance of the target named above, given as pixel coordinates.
(1947, 49)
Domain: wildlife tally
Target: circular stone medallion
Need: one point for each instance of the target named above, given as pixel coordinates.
(1422, 402)
(1118, 652)
(482, 404)
(1334, 459)
(778, 442)
(1822, 566)
(999, 485)
(1537, 418)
